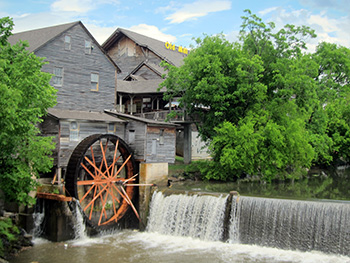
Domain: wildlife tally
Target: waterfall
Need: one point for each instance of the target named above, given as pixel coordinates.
(79, 224)
(38, 219)
(291, 224)
(183, 215)
(279, 223)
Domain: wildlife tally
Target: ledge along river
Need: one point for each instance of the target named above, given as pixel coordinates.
(216, 228)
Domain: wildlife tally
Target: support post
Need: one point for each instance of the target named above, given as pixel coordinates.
(187, 143)
(150, 173)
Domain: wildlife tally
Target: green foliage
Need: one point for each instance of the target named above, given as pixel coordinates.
(265, 106)
(25, 96)
(8, 233)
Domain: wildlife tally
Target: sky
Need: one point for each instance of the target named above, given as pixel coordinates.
(180, 21)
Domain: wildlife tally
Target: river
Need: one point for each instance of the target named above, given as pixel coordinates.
(182, 228)
(129, 246)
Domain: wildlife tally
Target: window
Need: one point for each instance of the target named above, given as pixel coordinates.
(131, 136)
(88, 47)
(58, 76)
(67, 43)
(74, 131)
(111, 128)
(161, 136)
(94, 81)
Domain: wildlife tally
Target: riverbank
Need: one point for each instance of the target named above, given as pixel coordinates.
(12, 238)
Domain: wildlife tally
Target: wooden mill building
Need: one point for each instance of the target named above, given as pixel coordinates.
(85, 77)
(120, 76)
(139, 58)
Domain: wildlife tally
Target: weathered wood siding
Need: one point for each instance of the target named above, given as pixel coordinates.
(50, 127)
(75, 93)
(127, 55)
(146, 73)
(70, 139)
(160, 145)
(135, 137)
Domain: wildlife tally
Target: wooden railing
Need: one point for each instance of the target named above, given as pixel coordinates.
(162, 115)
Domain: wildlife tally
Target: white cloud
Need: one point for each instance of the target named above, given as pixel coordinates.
(198, 9)
(79, 6)
(267, 11)
(100, 33)
(327, 24)
(39, 20)
(152, 31)
(333, 30)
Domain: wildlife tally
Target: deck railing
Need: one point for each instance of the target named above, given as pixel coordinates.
(162, 115)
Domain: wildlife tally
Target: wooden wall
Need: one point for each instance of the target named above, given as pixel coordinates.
(75, 93)
(161, 142)
(127, 55)
(136, 141)
(147, 144)
(146, 73)
(68, 139)
(50, 127)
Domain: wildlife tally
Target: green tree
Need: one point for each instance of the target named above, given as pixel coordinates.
(25, 96)
(334, 93)
(257, 101)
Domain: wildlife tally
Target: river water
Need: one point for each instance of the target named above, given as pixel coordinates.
(183, 229)
(148, 247)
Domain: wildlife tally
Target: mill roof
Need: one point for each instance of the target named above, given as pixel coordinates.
(37, 38)
(129, 117)
(140, 86)
(156, 46)
(83, 115)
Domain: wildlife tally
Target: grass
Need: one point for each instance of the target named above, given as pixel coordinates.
(178, 168)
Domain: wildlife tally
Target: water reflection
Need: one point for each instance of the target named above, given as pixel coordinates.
(320, 184)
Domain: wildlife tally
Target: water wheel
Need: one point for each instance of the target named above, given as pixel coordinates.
(101, 174)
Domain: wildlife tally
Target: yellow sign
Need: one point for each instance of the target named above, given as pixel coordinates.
(173, 47)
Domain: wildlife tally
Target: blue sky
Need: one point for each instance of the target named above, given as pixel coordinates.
(179, 21)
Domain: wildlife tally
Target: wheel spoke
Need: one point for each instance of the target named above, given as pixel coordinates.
(103, 210)
(86, 169)
(87, 192)
(130, 203)
(92, 206)
(114, 156)
(103, 151)
(98, 169)
(121, 167)
(93, 159)
(95, 197)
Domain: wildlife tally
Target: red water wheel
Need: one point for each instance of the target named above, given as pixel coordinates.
(101, 174)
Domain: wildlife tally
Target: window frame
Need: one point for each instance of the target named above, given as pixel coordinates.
(57, 77)
(88, 48)
(97, 84)
(74, 132)
(67, 45)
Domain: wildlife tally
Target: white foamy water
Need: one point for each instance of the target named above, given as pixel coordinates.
(291, 224)
(144, 247)
(183, 215)
(79, 224)
(38, 218)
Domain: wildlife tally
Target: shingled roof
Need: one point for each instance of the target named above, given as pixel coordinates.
(39, 37)
(152, 66)
(83, 115)
(140, 87)
(156, 46)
